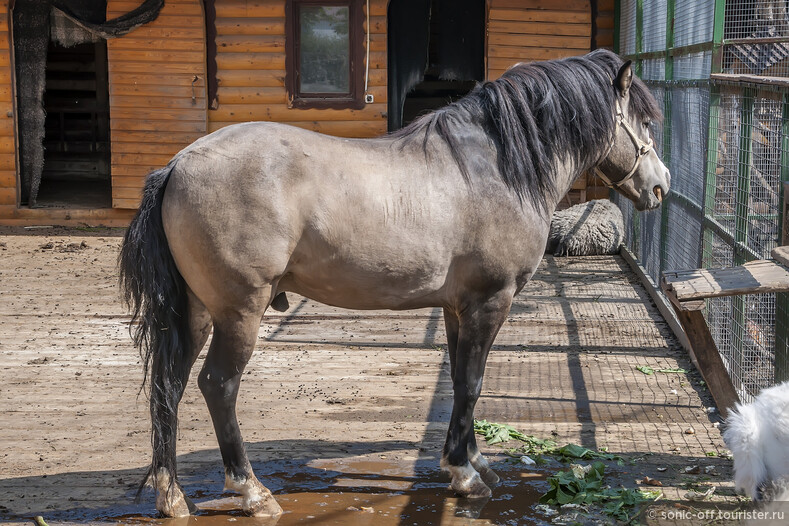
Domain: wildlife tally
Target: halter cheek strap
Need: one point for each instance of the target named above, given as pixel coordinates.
(642, 149)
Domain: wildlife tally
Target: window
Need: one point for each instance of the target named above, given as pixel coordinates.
(325, 53)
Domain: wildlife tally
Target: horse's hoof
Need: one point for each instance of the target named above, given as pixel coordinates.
(263, 506)
(471, 488)
(174, 504)
(489, 477)
(171, 501)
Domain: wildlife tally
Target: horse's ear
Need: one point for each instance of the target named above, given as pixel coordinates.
(624, 78)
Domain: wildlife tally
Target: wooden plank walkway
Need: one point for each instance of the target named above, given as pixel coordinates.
(334, 398)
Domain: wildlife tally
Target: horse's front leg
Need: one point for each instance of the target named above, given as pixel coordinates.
(477, 328)
(232, 345)
(478, 462)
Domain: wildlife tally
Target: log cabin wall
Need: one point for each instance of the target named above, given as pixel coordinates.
(157, 107)
(525, 31)
(604, 35)
(157, 93)
(251, 72)
(8, 178)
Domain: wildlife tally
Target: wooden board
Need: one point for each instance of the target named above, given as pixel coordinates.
(708, 359)
(535, 30)
(157, 93)
(8, 177)
(781, 255)
(751, 278)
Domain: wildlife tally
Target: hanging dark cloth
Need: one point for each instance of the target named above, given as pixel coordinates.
(67, 22)
(409, 39)
(460, 45)
(446, 37)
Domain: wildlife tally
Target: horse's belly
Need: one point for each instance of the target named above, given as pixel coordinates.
(359, 287)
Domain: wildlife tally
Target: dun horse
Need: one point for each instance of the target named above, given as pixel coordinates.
(452, 211)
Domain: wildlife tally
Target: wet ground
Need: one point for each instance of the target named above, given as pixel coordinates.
(344, 412)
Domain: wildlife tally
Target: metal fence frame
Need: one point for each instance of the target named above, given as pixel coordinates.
(715, 115)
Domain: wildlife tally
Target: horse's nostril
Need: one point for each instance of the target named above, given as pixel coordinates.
(658, 193)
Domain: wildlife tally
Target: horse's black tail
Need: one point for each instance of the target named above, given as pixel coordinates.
(155, 292)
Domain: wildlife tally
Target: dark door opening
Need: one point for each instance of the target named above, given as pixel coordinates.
(436, 54)
(77, 136)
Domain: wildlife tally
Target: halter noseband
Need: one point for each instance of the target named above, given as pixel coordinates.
(642, 149)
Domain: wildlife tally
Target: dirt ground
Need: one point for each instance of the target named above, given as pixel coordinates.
(344, 412)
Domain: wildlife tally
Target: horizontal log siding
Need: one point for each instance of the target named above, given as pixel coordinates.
(8, 170)
(155, 110)
(530, 30)
(251, 72)
(605, 24)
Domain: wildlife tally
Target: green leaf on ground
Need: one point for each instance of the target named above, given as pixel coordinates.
(534, 447)
(583, 485)
(650, 370)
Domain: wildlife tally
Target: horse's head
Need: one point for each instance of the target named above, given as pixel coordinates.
(632, 166)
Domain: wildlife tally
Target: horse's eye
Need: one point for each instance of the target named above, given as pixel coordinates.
(647, 124)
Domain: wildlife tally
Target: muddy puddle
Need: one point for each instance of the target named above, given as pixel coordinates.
(351, 493)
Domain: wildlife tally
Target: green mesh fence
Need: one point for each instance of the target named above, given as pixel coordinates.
(719, 68)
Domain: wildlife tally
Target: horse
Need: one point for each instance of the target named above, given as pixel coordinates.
(452, 211)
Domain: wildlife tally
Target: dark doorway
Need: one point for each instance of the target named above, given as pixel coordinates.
(436, 54)
(77, 133)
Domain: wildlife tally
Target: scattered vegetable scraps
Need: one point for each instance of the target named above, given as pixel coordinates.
(535, 447)
(583, 485)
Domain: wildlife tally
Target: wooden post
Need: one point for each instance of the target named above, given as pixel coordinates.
(781, 364)
(785, 213)
(710, 363)
(666, 153)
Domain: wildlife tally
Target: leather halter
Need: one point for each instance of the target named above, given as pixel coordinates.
(642, 149)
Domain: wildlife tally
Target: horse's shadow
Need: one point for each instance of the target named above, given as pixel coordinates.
(90, 497)
(87, 496)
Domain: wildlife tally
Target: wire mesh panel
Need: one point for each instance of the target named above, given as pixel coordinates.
(657, 130)
(654, 31)
(689, 122)
(758, 31)
(693, 66)
(653, 69)
(683, 236)
(726, 129)
(693, 21)
(765, 176)
(651, 240)
(627, 27)
(743, 328)
(756, 19)
(726, 144)
(628, 214)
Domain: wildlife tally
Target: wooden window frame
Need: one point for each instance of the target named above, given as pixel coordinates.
(354, 99)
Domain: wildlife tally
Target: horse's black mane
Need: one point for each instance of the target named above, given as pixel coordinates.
(535, 114)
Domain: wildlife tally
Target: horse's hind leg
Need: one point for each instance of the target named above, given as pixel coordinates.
(232, 346)
(478, 462)
(477, 328)
(170, 499)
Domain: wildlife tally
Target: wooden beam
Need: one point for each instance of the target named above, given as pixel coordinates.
(755, 277)
(710, 363)
(781, 255)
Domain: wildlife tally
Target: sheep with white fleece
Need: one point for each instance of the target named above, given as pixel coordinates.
(588, 229)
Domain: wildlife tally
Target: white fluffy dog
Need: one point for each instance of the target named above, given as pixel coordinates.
(758, 436)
